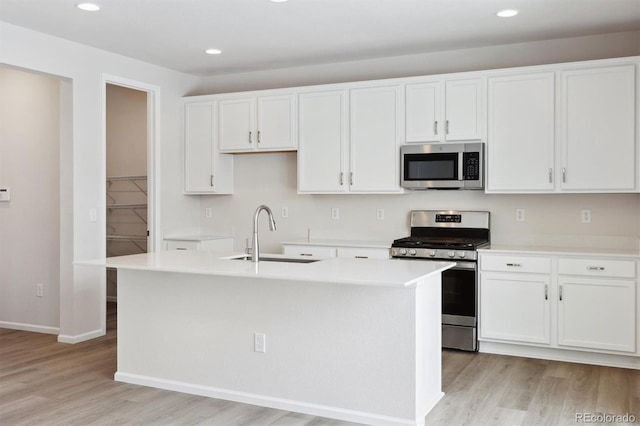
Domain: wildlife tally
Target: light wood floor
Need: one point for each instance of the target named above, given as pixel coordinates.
(43, 382)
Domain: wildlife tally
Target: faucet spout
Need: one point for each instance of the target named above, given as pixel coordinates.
(255, 252)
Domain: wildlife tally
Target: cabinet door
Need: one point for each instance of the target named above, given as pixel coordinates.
(515, 307)
(423, 112)
(198, 147)
(322, 147)
(205, 170)
(597, 314)
(277, 123)
(598, 133)
(237, 124)
(520, 139)
(375, 136)
(463, 110)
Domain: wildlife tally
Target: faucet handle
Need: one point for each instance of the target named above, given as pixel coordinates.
(247, 249)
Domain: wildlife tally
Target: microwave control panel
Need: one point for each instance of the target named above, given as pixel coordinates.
(471, 168)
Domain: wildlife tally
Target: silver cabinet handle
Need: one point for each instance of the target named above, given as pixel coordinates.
(212, 180)
(564, 175)
(361, 257)
(560, 293)
(546, 292)
(515, 265)
(351, 178)
(341, 178)
(550, 175)
(306, 254)
(446, 127)
(258, 136)
(595, 268)
(250, 136)
(435, 127)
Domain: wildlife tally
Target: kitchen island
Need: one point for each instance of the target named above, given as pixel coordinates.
(351, 339)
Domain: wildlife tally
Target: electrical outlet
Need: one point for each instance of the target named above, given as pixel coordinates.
(380, 214)
(39, 290)
(285, 212)
(520, 215)
(586, 216)
(335, 213)
(259, 342)
(208, 212)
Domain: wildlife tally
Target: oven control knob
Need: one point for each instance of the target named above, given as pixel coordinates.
(462, 254)
(452, 254)
(432, 253)
(412, 252)
(403, 251)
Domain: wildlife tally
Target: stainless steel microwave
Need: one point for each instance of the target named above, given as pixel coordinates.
(442, 166)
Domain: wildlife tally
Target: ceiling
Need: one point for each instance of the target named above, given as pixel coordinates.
(259, 34)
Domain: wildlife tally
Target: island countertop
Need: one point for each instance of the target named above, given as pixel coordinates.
(370, 272)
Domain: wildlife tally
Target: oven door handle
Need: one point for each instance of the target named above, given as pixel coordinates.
(466, 265)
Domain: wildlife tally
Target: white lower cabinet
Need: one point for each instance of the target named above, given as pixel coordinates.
(333, 248)
(575, 303)
(515, 307)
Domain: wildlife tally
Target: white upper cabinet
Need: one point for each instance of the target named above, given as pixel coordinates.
(349, 141)
(521, 133)
(323, 123)
(258, 123)
(440, 111)
(598, 129)
(375, 130)
(205, 170)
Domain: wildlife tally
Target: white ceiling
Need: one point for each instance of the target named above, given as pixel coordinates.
(259, 35)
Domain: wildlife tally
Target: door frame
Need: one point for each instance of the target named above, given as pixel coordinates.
(153, 153)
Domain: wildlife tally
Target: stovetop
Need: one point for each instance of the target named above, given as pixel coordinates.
(444, 234)
(440, 242)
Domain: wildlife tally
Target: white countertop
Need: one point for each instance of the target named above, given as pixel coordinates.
(373, 272)
(340, 243)
(567, 251)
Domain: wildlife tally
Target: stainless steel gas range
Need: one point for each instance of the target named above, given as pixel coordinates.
(451, 235)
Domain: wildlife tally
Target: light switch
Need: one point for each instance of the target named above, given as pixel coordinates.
(5, 194)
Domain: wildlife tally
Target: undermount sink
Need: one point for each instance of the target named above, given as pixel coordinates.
(278, 259)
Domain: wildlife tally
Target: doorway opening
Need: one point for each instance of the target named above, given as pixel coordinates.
(131, 143)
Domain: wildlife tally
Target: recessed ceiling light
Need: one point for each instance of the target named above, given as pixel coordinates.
(89, 7)
(213, 51)
(278, 1)
(507, 13)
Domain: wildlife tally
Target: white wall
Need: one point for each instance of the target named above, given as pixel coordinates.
(81, 289)
(29, 223)
(550, 219)
(481, 58)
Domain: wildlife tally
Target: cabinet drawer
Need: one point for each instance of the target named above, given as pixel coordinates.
(507, 263)
(315, 251)
(183, 245)
(363, 252)
(597, 267)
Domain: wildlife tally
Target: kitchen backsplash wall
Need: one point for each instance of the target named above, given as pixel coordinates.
(550, 219)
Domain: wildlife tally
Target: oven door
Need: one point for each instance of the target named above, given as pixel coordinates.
(459, 295)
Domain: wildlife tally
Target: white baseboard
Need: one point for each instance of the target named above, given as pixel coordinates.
(29, 327)
(65, 338)
(267, 401)
(566, 355)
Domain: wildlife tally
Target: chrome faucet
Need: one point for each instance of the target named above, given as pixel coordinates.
(255, 252)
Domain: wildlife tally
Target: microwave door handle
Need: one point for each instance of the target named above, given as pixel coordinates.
(461, 166)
